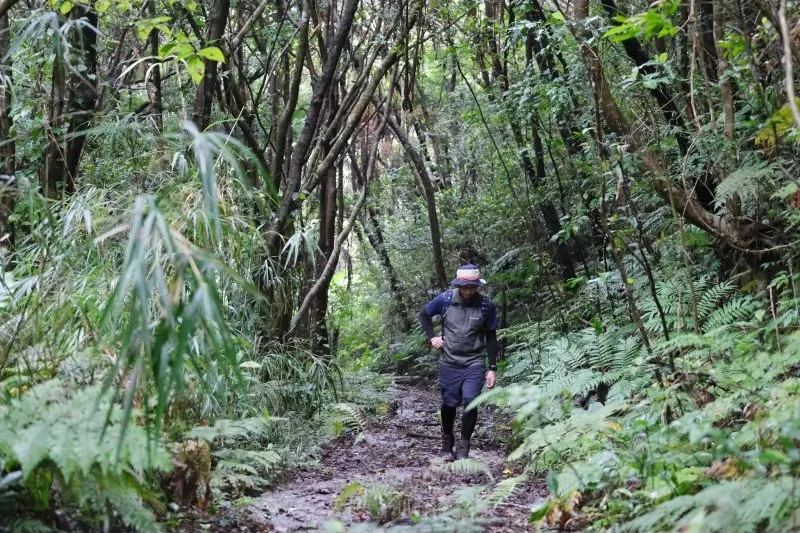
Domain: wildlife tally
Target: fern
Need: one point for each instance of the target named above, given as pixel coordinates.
(348, 492)
(29, 525)
(730, 313)
(469, 467)
(241, 471)
(562, 435)
(53, 429)
(753, 178)
(505, 489)
(383, 502)
(745, 505)
(350, 416)
(225, 430)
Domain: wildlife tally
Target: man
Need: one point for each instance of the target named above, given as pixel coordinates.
(469, 325)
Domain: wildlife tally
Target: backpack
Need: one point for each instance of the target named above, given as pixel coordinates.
(448, 301)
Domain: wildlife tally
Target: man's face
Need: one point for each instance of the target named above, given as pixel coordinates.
(467, 291)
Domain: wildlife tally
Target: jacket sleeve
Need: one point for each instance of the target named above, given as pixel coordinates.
(431, 309)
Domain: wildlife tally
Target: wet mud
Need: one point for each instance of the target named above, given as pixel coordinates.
(391, 474)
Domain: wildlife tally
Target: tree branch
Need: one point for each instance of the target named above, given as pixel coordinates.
(333, 260)
(245, 29)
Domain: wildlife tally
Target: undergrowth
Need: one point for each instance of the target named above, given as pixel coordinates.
(698, 432)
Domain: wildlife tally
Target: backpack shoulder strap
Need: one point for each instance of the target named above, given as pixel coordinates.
(486, 304)
(447, 296)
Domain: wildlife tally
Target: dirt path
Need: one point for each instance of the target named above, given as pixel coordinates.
(392, 475)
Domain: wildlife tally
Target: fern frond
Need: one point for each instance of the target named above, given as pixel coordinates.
(562, 435)
(55, 430)
(505, 489)
(470, 467)
(744, 505)
(348, 492)
(731, 312)
(753, 177)
(226, 430)
(351, 416)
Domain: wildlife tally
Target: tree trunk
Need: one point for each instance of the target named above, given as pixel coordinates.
(324, 278)
(707, 37)
(204, 95)
(430, 201)
(725, 85)
(746, 236)
(82, 92)
(327, 234)
(51, 175)
(372, 229)
(661, 92)
(154, 80)
(7, 144)
(311, 123)
(285, 118)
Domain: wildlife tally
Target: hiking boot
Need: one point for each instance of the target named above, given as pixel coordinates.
(447, 446)
(462, 449)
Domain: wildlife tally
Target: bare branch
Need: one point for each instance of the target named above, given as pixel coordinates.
(333, 260)
(245, 29)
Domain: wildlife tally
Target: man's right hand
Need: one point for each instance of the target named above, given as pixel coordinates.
(437, 342)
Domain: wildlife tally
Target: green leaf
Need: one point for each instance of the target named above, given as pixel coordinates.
(66, 7)
(213, 53)
(164, 50)
(197, 68)
(540, 509)
(774, 456)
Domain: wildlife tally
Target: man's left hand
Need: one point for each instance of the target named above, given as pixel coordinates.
(490, 379)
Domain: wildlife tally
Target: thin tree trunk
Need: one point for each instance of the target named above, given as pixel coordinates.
(707, 37)
(285, 118)
(372, 230)
(82, 92)
(7, 144)
(430, 201)
(204, 95)
(327, 234)
(312, 120)
(51, 174)
(154, 80)
(324, 278)
(743, 235)
(661, 92)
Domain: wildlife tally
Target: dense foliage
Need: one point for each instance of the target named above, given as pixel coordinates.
(218, 219)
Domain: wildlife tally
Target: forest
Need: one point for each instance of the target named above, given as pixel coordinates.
(219, 220)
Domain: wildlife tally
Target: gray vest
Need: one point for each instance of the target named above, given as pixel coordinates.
(464, 332)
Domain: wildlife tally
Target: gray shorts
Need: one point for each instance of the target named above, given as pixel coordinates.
(460, 383)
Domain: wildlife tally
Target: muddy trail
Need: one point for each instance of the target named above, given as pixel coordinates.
(390, 474)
